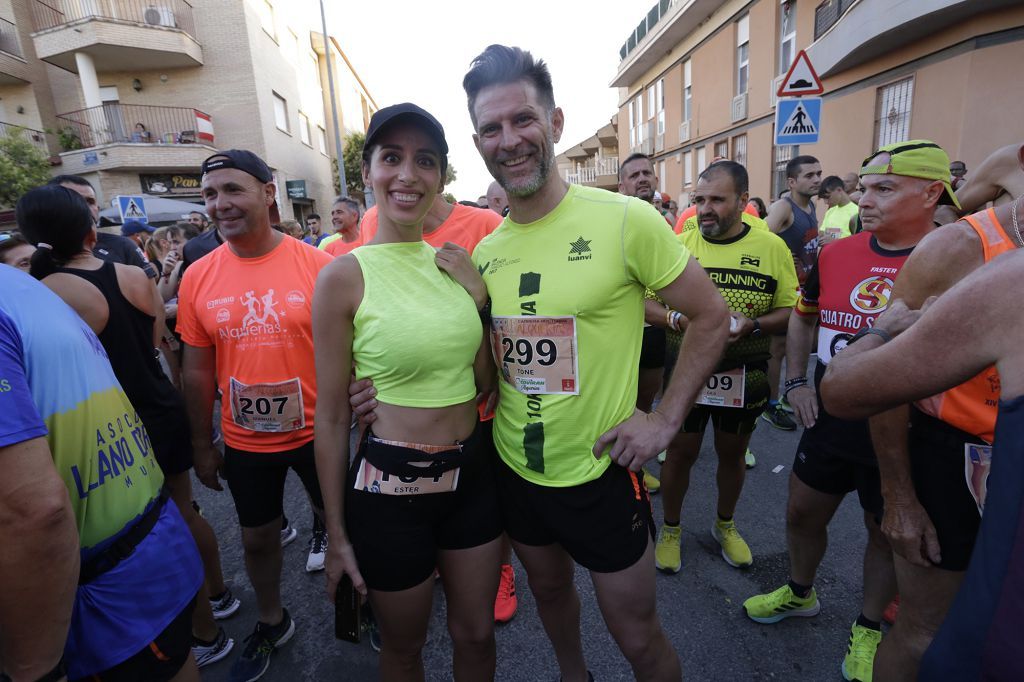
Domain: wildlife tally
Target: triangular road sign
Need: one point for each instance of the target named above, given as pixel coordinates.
(801, 79)
(133, 212)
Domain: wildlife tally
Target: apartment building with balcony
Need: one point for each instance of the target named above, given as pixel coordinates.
(139, 92)
(594, 162)
(697, 80)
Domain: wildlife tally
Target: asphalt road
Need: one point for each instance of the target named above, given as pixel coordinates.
(700, 607)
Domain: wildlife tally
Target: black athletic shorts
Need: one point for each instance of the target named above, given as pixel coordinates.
(828, 471)
(158, 661)
(937, 468)
(396, 537)
(652, 350)
(604, 524)
(170, 438)
(739, 421)
(256, 481)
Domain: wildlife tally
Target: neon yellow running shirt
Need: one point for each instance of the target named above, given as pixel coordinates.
(587, 262)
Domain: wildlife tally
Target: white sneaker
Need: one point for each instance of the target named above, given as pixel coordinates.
(288, 534)
(206, 654)
(317, 551)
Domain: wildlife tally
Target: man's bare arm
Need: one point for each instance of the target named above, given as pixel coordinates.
(780, 216)
(943, 258)
(199, 378)
(39, 561)
(642, 436)
(799, 340)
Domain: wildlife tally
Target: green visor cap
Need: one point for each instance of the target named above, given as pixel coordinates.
(916, 159)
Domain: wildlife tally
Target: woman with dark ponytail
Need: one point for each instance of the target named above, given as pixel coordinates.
(117, 302)
(56, 243)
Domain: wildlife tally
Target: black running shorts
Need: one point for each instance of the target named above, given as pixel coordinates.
(396, 537)
(158, 661)
(652, 350)
(738, 421)
(937, 468)
(828, 472)
(256, 481)
(604, 524)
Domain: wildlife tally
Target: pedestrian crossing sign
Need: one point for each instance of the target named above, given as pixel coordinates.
(797, 121)
(132, 208)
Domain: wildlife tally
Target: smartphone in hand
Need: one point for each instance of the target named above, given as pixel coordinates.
(347, 611)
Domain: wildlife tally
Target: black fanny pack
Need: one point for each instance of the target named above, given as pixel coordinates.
(396, 460)
(122, 548)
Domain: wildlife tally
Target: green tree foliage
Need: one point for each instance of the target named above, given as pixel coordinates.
(23, 165)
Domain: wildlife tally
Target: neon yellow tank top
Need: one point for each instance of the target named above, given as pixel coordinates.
(416, 331)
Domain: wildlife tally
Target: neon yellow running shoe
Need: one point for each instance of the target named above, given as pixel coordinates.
(652, 482)
(734, 547)
(860, 654)
(667, 554)
(782, 603)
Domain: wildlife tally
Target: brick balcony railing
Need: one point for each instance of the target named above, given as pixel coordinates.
(157, 13)
(119, 123)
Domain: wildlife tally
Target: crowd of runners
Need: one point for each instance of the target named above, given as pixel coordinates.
(455, 383)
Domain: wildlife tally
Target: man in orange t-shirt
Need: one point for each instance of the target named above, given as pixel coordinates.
(455, 223)
(245, 314)
(345, 219)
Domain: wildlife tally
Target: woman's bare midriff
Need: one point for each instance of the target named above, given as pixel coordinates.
(425, 425)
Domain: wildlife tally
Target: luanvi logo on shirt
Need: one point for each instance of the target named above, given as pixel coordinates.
(580, 250)
(750, 260)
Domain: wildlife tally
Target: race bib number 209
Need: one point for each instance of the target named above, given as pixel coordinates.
(537, 355)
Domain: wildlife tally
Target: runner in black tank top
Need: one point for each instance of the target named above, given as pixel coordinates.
(128, 340)
(802, 238)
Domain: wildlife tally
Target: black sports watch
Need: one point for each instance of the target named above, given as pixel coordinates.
(864, 331)
(756, 331)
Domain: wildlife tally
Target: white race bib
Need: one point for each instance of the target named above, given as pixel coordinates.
(724, 389)
(271, 408)
(537, 354)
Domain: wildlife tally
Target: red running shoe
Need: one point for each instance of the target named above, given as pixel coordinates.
(892, 610)
(505, 604)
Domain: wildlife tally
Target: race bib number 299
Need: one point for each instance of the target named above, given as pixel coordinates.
(537, 355)
(275, 407)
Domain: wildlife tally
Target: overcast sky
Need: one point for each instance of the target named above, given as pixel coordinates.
(409, 50)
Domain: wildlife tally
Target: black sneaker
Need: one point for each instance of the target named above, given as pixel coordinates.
(777, 417)
(255, 658)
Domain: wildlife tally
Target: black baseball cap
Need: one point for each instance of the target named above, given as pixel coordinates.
(404, 111)
(247, 162)
(243, 160)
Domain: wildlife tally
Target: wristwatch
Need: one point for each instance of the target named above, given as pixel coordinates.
(864, 331)
(756, 332)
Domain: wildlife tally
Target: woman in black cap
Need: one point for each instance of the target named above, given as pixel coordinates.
(419, 494)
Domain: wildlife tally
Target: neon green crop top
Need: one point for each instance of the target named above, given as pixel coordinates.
(416, 331)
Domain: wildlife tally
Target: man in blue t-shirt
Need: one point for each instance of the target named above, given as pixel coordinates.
(120, 606)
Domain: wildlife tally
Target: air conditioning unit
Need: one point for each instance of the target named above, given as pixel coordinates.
(776, 84)
(684, 131)
(659, 143)
(738, 111)
(159, 16)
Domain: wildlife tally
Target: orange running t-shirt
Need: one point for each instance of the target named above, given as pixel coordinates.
(257, 314)
(339, 247)
(465, 226)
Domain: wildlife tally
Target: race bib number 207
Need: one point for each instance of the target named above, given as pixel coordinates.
(537, 355)
(275, 407)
